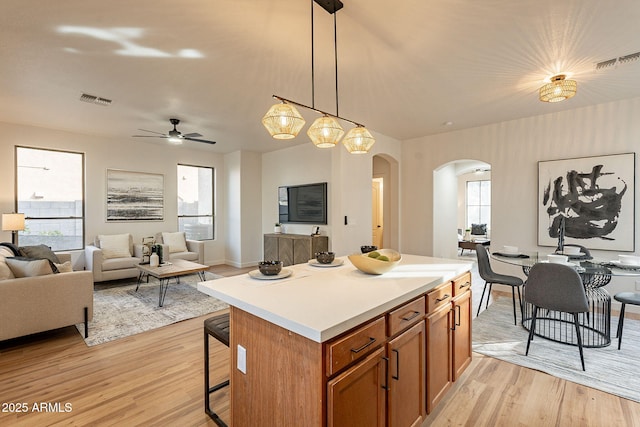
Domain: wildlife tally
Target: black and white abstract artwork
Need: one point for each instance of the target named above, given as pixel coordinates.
(134, 196)
(593, 196)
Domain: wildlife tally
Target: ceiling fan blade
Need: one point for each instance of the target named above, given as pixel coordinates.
(192, 135)
(200, 140)
(152, 131)
(150, 136)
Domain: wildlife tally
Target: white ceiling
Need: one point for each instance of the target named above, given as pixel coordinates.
(404, 67)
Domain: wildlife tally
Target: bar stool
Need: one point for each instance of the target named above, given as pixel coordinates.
(625, 298)
(218, 328)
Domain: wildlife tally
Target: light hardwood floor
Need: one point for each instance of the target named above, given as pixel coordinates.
(156, 378)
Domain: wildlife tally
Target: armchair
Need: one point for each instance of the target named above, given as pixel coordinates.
(176, 246)
(113, 257)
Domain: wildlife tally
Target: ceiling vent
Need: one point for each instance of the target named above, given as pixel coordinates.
(614, 62)
(92, 99)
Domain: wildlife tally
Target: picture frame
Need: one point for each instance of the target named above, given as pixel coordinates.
(134, 196)
(593, 196)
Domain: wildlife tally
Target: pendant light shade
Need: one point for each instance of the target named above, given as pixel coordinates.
(558, 90)
(283, 121)
(358, 140)
(325, 132)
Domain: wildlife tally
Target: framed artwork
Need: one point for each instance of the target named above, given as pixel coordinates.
(592, 198)
(134, 196)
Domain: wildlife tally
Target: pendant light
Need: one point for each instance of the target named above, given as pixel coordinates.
(283, 121)
(325, 132)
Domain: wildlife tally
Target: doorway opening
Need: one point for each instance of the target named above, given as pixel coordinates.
(385, 202)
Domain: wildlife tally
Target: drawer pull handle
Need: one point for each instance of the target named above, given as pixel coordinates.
(397, 375)
(444, 298)
(359, 349)
(386, 373)
(412, 316)
(465, 285)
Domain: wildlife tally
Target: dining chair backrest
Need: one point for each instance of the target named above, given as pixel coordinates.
(556, 287)
(484, 267)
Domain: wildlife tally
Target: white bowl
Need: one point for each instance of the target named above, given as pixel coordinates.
(370, 265)
(571, 250)
(510, 249)
(558, 259)
(629, 259)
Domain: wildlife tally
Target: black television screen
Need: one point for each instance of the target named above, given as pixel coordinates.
(303, 204)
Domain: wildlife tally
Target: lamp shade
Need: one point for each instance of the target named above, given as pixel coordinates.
(558, 90)
(325, 132)
(283, 121)
(358, 140)
(13, 222)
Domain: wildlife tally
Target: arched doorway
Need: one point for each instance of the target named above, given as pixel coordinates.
(385, 202)
(451, 204)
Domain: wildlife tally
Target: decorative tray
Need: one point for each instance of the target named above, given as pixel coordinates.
(255, 274)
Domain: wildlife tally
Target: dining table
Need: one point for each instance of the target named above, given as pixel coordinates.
(596, 273)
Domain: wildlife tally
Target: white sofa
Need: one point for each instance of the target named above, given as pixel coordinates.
(35, 304)
(108, 262)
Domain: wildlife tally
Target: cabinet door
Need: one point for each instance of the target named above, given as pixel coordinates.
(270, 248)
(461, 333)
(406, 402)
(357, 396)
(438, 355)
(285, 251)
(302, 250)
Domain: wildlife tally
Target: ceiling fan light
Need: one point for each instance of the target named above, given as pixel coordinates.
(325, 132)
(175, 140)
(283, 121)
(558, 90)
(358, 140)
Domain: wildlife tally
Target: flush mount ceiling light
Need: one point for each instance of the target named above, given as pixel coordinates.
(559, 89)
(284, 122)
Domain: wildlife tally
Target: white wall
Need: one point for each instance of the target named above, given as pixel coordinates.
(105, 153)
(513, 149)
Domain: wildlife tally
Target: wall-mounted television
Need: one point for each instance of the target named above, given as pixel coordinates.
(303, 204)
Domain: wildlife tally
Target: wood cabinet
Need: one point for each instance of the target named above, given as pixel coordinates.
(461, 330)
(293, 248)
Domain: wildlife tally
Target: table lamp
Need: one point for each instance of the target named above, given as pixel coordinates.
(13, 222)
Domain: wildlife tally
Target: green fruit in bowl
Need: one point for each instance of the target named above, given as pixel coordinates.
(383, 258)
(374, 254)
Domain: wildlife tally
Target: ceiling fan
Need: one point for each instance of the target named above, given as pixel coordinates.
(174, 136)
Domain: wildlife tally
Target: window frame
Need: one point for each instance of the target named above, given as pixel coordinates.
(213, 200)
(479, 205)
(82, 218)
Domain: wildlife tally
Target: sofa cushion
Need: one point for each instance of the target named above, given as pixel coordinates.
(119, 263)
(177, 241)
(65, 267)
(39, 252)
(29, 267)
(115, 245)
(5, 271)
(11, 247)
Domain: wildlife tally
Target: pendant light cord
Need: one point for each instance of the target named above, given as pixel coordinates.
(335, 54)
(313, 80)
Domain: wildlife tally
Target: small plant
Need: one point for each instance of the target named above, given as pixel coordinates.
(278, 224)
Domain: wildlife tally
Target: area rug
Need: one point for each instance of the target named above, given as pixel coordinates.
(608, 369)
(119, 311)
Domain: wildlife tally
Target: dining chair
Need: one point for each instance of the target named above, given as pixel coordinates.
(559, 288)
(625, 298)
(490, 277)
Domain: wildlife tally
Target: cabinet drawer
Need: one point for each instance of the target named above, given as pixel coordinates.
(405, 316)
(462, 284)
(348, 348)
(439, 297)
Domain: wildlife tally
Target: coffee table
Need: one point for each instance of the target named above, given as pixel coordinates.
(471, 244)
(170, 270)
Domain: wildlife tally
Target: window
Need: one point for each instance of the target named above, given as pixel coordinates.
(50, 192)
(479, 203)
(195, 202)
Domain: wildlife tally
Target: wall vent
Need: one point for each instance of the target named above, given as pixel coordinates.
(614, 62)
(92, 99)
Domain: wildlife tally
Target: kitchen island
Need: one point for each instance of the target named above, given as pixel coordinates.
(327, 343)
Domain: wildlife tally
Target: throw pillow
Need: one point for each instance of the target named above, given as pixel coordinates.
(39, 251)
(177, 241)
(5, 271)
(115, 245)
(65, 267)
(29, 268)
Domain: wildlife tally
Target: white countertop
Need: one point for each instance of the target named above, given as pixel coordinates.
(320, 303)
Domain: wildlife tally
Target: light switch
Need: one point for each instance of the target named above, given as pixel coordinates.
(242, 359)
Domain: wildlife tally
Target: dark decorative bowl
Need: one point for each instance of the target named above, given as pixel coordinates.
(325, 257)
(270, 268)
(367, 249)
